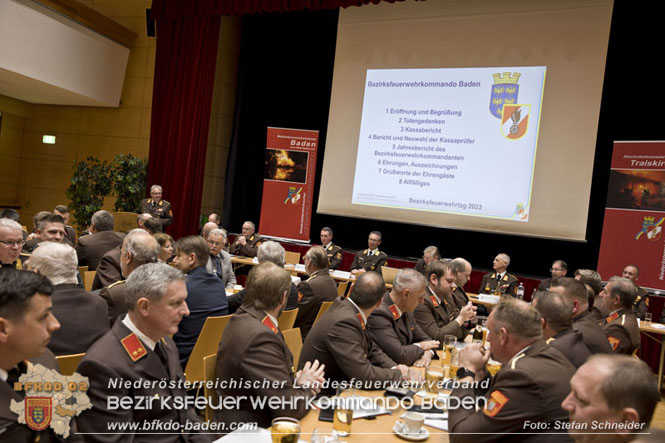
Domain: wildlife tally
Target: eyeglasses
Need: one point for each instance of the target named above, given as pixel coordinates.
(10, 244)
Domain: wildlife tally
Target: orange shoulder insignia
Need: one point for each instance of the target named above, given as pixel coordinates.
(614, 342)
(612, 317)
(133, 347)
(495, 403)
(362, 322)
(267, 322)
(394, 311)
(435, 302)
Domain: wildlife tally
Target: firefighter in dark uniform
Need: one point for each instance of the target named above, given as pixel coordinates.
(155, 206)
(333, 252)
(370, 259)
(499, 281)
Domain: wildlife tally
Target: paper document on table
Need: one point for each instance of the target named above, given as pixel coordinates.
(300, 267)
(342, 274)
(489, 298)
(438, 424)
(657, 325)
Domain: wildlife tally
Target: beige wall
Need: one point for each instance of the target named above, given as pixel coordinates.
(35, 176)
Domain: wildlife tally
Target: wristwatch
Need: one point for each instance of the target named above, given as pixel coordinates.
(464, 372)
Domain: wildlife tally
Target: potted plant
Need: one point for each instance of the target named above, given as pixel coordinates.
(130, 177)
(90, 183)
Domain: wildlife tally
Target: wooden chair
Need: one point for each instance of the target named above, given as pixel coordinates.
(322, 310)
(206, 344)
(68, 363)
(293, 340)
(124, 221)
(287, 319)
(389, 274)
(292, 258)
(209, 366)
(341, 288)
(88, 278)
(83, 270)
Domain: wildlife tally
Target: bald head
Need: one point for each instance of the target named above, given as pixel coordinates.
(368, 289)
(138, 248)
(207, 228)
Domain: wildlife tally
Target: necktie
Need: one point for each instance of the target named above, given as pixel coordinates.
(218, 266)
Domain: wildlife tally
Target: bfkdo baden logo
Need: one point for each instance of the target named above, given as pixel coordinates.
(38, 412)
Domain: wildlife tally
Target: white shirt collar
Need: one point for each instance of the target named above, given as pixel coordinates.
(362, 314)
(501, 274)
(326, 246)
(144, 338)
(519, 352)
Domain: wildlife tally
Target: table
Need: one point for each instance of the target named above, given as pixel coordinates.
(652, 332)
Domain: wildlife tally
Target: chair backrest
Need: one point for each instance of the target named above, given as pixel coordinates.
(292, 257)
(68, 363)
(206, 344)
(88, 279)
(341, 288)
(209, 366)
(389, 274)
(322, 310)
(124, 221)
(293, 340)
(287, 319)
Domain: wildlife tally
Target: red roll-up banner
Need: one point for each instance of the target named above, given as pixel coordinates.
(288, 183)
(635, 213)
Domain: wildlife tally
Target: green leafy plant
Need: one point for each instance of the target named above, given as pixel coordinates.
(130, 178)
(90, 183)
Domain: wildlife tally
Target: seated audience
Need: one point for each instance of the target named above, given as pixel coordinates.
(439, 315)
(335, 253)
(592, 279)
(70, 234)
(370, 259)
(83, 316)
(153, 226)
(214, 218)
(253, 350)
(393, 327)
(341, 343)
(219, 262)
(165, 246)
(206, 296)
(430, 254)
(138, 248)
(91, 248)
(33, 239)
(155, 206)
(499, 281)
(462, 270)
(108, 270)
(11, 242)
(207, 228)
(50, 228)
(139, 352)
(248, 243)
(141, 219)
(583, 319)
(616, 391)
(620, 325)
(641, 304)
(319, 287)
(559, 269)
(273, 252)
(529, 388)
(557, 321)
(26, 325)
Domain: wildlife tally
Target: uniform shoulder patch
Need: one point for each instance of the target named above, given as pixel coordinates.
(362, 322)
(116, 283)
(550, 340)
(133, 347)
(495, 403)
(435, 302)
(614, 342)
(394, 311)
(267, 322)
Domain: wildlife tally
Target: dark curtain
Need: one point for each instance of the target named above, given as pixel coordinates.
(182, 98)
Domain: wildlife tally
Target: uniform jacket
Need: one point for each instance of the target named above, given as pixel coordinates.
(114, 296)
(110, 358)
(236, 300)
(91, 248)
(531, 386)
(83, 319)
(508, 284)
(373, 262)
(592, 333)
(622, 331)
(571, 344)
(70, 236)
(641, 305)
(335, 255)
(437, 319)
(249, 249)
(162, 211)
(206, 297)
(312, 292)
(340, 341)
(396, 332)
(253, 349)
(108, 270)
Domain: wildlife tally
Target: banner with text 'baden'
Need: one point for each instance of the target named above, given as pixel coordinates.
(635, 213)
(288, 183)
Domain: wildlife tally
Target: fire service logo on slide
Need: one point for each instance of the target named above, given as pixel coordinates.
(504, 92)
(652, 229)
(294, 195)
(515, 121)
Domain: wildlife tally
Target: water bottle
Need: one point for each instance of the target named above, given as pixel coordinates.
(520, 291)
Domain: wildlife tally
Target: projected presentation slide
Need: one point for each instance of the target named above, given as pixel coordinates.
(460, 141)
